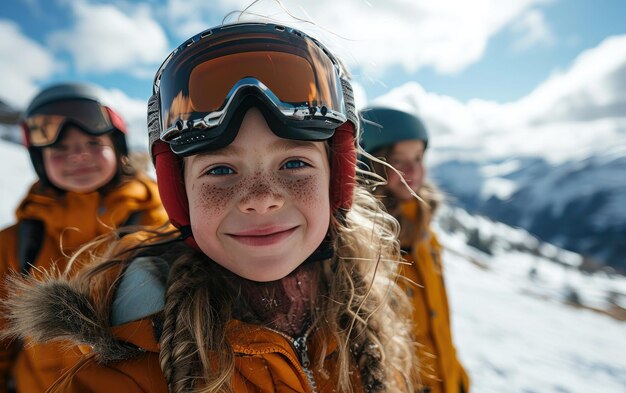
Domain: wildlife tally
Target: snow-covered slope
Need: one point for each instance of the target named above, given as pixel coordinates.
(516, 342)
(538, 268)
(525, 318)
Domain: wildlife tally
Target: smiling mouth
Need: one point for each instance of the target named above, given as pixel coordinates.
(262, 237)
(81, 171)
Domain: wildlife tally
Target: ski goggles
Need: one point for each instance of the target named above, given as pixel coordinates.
(43, 125)
(204, 86)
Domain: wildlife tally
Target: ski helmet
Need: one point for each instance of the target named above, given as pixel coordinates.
(56, 107)
(382, 127)
(204, 88)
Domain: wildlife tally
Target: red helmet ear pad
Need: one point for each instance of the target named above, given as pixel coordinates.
(342, 167)
(172, 184)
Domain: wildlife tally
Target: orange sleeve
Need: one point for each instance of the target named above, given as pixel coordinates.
(8, 348)
(89, 376)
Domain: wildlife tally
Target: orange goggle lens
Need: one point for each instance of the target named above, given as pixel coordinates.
(199, 81)
(44, 124)
(291, 78)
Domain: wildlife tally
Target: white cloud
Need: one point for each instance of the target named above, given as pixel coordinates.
(190, 17)
(594, 87)
(105, 39)
(572, 114)
(533, 30)
(23, 62)
(446, 35)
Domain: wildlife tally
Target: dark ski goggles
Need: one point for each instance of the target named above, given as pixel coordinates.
(205, 84)
(44, 124)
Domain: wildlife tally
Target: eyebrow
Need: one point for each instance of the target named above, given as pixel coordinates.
(279, 145)
(229, 150)
(288, 144)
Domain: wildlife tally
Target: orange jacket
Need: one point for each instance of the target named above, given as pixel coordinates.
(124, 355)
(69, 221)
(265, 362)
(441, 371)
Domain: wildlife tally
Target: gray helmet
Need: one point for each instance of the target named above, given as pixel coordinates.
(382, 127)
(65, 91)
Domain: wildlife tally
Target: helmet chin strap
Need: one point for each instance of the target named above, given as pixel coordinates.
(324, 251)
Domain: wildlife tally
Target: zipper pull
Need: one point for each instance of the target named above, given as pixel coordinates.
(300, 345)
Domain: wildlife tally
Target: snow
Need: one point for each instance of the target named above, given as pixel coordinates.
(513, 342)
(502, 189)
(16, 176)
(512, 328)
(516, 335)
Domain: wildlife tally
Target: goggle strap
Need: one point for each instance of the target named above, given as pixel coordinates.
(348, 96)
(154, 123)
(116, 120)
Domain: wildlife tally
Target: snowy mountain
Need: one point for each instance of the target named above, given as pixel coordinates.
(579, 205)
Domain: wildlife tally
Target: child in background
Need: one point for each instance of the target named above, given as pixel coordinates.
(86, 188)
(281, 276)
(400, 139)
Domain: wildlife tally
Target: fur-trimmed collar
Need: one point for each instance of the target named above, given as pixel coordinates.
(55, 309)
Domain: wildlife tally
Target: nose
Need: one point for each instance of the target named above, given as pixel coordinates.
(261, 199)
(408, 170)
(78, 153)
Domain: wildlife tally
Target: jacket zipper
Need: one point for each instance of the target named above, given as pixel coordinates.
(299, 344)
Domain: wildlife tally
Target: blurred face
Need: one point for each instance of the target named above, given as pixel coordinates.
(80, 162)
(407, 157)
(260, 206)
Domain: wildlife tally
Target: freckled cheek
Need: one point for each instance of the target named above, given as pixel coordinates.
(310, 191)
(211, 200)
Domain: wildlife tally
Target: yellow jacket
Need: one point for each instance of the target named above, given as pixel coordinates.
(68, 221)
(441, 371)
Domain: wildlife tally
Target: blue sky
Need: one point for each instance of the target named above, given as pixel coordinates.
(492, 50)
(505, 73)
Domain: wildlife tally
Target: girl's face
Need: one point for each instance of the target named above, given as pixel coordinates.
(80, 162)
(406, 157)
(260, 206)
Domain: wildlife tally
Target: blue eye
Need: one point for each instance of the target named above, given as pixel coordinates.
(220, 171)
(295, 164)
